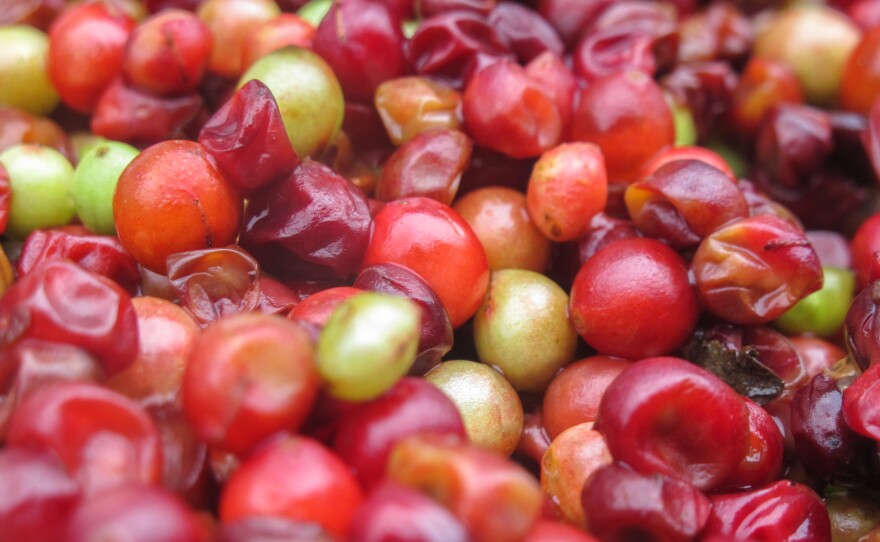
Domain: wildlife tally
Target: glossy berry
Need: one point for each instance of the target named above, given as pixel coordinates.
(366, 435)
(296, 478)
(423, 234)
(494, 498)
(364, 44)
(507, 111)
(798, 514)
(276, 359)
(607, 116)
(574, 394)
(167, 53)
(86, 47)
(124, 511)
(39, 494)
(755, 269)
(618, 295)
(103, 438)
(620, 503)
(393, 511)
(570, 459)
(173, 198)
(670, 416)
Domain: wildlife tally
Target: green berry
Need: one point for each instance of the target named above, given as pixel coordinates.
(308, 96)
(94, 183)
(40, 179)
(369, 343)
(315, 11)
(523, 330)
(823, 312)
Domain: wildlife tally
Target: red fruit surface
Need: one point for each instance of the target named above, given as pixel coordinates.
(103, 438)
(861, 408)
(633, 299)
(38, 495)
(167, 53)
(246, 138)
(494, 498)
(364, 44)
(684, 201)
(450, 47)
(507, 111)
(670, 416)
(620, 502)
(135, 513)
(167, 333)
(101, 254)
(396, 512)
(618, 109)
(317, 308)
(124, 113)
(5, 195)
(753, 270)
(86, 46)
(62, 302)
(574, 394)
(365, 437)
(430, 165)
(312, 224)
(172, 198)
(273, 356)
(215, 282)
(782, 510)
(296, 478)
(428, 236)
(763, 462)
(568, 186)
(864, 244)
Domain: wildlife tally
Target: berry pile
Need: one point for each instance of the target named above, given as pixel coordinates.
(439, 271)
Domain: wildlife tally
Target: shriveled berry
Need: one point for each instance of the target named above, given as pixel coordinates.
(312, 224)
(669, 416)
(782, 510)
(753, 270)
(621, 504)
(246, 137)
